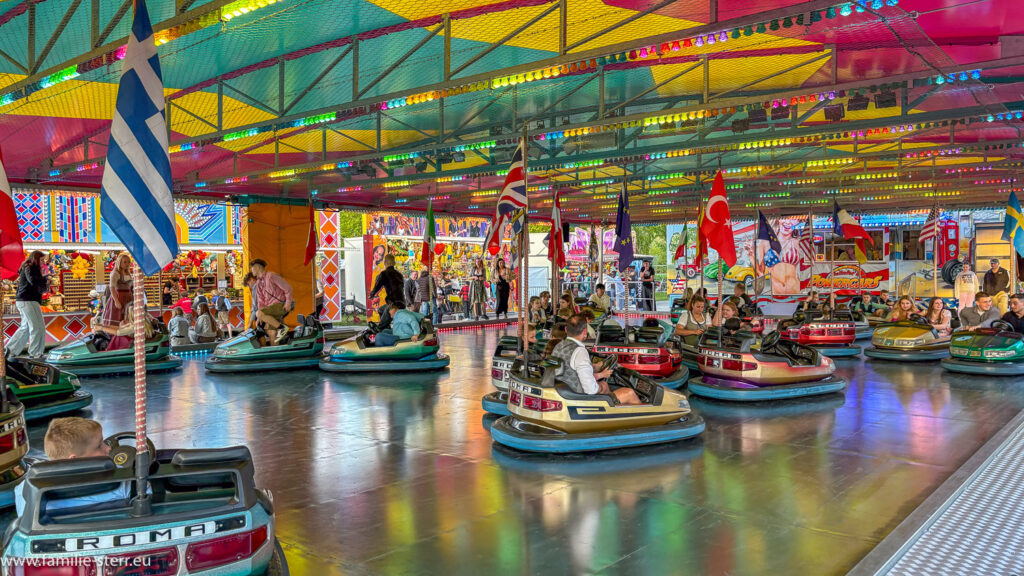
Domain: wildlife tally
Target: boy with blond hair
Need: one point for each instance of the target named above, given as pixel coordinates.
(69, 438)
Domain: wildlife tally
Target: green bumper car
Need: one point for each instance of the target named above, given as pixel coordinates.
(360, 354)
(45, 390)
(995, 351)
(247, 352)
(90, 356)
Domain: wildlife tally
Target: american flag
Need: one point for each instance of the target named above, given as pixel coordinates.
(805, 244)
(511, 202)
(931, 226)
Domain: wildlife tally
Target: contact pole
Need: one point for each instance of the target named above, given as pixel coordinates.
(753, 249)
(141, 505)
(935, 250)
(524, 246)
(3, 356)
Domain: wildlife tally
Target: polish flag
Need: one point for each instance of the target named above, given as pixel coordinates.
(12, 252)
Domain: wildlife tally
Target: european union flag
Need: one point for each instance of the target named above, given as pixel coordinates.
(766, 233)
(1013, 225)
(623, 231)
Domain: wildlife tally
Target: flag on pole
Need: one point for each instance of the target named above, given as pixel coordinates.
(702, 241)
(429, 237)
(681, 249)
(555, 242)
(717, 225)
(511, 203)
(623, 231)
(766, 233)
(135, 199)
(931, 226)
(805, 245)
(12, 252)
(311, 237)
(1013, 225)
(844, 225)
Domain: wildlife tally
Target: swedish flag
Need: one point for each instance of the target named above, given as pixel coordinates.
(1013, 225)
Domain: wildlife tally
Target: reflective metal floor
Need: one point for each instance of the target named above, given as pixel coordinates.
(396, 474)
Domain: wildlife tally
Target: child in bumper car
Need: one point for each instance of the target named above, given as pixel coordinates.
(405, 325)
(75, 437)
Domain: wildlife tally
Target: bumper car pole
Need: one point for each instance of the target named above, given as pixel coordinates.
(3, 359)
(142, 504)
(524, 272)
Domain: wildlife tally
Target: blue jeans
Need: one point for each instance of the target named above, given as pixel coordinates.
(31, 331)
(384, 338)
(425, 309)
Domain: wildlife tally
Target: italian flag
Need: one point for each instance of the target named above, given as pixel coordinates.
(429, 237)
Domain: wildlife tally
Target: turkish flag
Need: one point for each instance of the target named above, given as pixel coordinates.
(716, 225)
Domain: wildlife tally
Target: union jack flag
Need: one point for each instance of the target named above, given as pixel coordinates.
(931, 226)
(511, 202)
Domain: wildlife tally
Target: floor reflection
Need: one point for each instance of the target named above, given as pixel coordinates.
(396, 474)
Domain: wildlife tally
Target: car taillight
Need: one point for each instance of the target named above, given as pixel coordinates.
(7, 443)
(22, 438)
(497, 373)
(813, 331)
(221, 551)
(650, 358)
(82, 566)
(849, 331)
(156, 563)
(704, 360)
(514, 398)
(540, 404)
(430, 342)
(738, 365)
(626, 358)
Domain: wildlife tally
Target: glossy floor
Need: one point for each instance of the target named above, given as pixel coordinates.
(396, 474)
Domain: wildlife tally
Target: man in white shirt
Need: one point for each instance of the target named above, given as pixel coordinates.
(577, 371)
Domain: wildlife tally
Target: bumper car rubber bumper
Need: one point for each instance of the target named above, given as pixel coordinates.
(80, 399)
(171, 362)
(223, 365)
(514, 433)
(909, 355)
(839, 351)
(865, 333)
(720, 389)
(962, 366)
(675, 380)
(432, 362)
(496, 403)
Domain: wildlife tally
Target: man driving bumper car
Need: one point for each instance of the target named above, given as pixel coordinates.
(576, 369)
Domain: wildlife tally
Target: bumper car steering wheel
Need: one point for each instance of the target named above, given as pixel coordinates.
(609, 361)
(919, 319)
(123, 455)
(770, 341)
(372, 327)
(1002, 326)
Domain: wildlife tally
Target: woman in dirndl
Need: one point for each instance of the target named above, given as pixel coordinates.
(477, 290)
(119, 293)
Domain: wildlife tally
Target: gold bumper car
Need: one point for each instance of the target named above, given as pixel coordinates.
(547, 416)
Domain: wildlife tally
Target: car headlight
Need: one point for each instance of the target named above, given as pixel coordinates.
(958, 351)
(882, 331)
(905, 341)
(684, 403)
(998, 353)
(58, 356)
(225, 352)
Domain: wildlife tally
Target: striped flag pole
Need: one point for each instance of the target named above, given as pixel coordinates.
(3, 357)
(524, 260)
(136, 202)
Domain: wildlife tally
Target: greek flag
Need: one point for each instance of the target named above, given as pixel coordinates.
(136, 197)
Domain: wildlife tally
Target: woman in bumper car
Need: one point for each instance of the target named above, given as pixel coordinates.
(692, 322)
(577, 370)
(205, 328)
(903, 310)
(940, 318)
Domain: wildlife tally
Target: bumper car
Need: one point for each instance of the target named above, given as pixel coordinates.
(90, 356)
(359, 354)
(245, 352)
(649, 350)
(831, 337)
(677, 306)
(911, 340)
(13, 447)
(502, 364)
(206, 517)
(547, 416)
(862, 327)
(995, 351)
(45, 390)
(737, 366)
